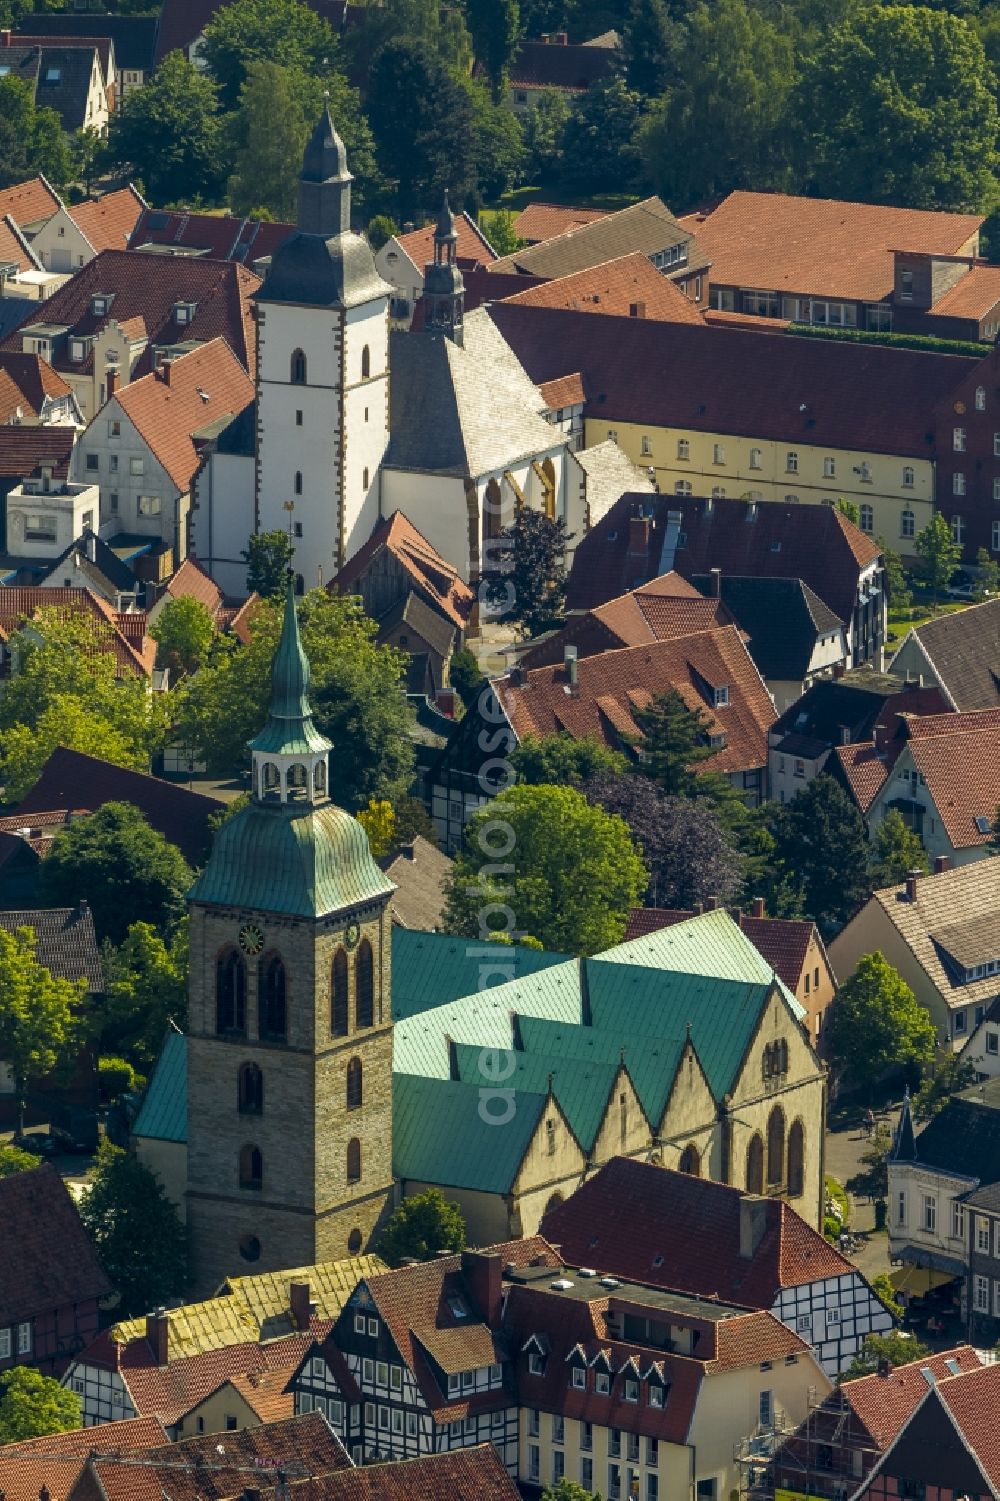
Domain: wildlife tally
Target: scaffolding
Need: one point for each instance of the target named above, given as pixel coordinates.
(826, 1456)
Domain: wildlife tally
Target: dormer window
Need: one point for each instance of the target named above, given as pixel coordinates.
(578, 1378)
(99, 305)
(184, 311)
(602, 1383)
(720, 697)
(536, 1364)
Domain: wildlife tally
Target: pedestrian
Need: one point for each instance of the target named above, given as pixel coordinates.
(870, 1124)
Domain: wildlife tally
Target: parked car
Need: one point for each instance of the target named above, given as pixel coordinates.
(40, 1143)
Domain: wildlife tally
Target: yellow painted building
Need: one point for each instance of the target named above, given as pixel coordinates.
(894, 495)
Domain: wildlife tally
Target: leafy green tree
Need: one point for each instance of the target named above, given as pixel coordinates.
(146, 979)
(939, 554)
(39, 1014)
(896, 850)
(822, 846)
(568, 1490)
(499, 153)
(895, 1347)
(885, 1292)
(183, 631)
(876, 1024)
(412, 818)
(850, 509)
(126, 870)
(898, 104)
(466, 676)
(115, 1077)
(168, 133)
(527, 577)
(285, 33)
(14, 1160)
(897, 583)
(674, 742)
(561, 760)
(268, 556)
(987, 575)
(31, 140)
(135, 1228)
(544, 128)
(600, 148)
(949, 1073)
(720, 125)
(356, 697)
(495, 29)
(65, 721)
(872, 1181)
(380, 231)
(422, 121)
(33, 1405)
(379, 823)
(88, 154)
(557, 843)
(421, 1226)
(501, 233)
(649, 43)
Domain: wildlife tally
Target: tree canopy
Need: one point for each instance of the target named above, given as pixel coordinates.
(895, 1347)
(15, 1160)
(939, 554)
(31, 139)
(821, 846)
(40, 1024)
(526, 851)
(168, 133)
(896, 850)
(268, 556)
(421, 1226)
(281, 33)
(876, 1024)
(422, 120)
(33, 1405)
(146, 980)
(527, 577)
(563, 759)
(183, 631)
(135, 1228)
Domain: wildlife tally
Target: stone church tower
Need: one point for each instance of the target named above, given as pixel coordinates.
(322, 371)
(290, 1030)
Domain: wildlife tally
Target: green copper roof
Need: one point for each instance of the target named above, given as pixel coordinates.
(289, 729)
(652, 1063)
(293, 859)
(163, 1112)
(439, 1135)
(581, 1087)
(430, 969)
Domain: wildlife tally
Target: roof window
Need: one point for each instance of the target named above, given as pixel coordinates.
(53, 75)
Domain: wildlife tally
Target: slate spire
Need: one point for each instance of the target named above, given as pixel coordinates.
(324, 182)
(904, 1147)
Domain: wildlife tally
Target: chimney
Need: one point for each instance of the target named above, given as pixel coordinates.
(712, 905)
(753, 1223)
(483, 1273)
(561, 38)
(716, 583)
(298, 1303)
(638, 535)
(845, 734)
(111, 376)
(158, 1336)
(757, 907)
(637, 310)
(5, 38)
(165, 371)
(90, 542)
(941, 864)
(698, 908)
(912, 878)
(569, 662)
(884, 1369)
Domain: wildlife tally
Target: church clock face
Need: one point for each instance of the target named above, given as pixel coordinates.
(251, 938)
(352, 934)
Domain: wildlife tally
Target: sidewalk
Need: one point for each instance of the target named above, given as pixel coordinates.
(843, 1160)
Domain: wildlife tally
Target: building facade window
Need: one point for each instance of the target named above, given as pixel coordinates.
(354, 1160)
(682, 487)
(958, 527)
(928, 1213)
(908, 477)
(829, 468)
(354, 1084)
(755, 1164)
(866, 518)
(364, 981)
(272, 999)
(796, 1159)
(958, 483)
(719, 453)
(980, 398)
(338, 994)
(366, 363)
(907, 523)
(995, 536)
(792, 462)
(776, 1146)
(958, 439)
(298, 368)
(683, 448)
(230, 994)
(755, 459)
(250, 1090)
(251, 1168)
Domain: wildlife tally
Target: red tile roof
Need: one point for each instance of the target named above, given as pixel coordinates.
(571, 69)
(29, 202)
(14, 248)
(738, 381)
(171, 404)
(543, 221)
(433, 575)
(239, 621)
(475, 1474)
(958, 755)
(973, 1400)
(614, 288)
(863, 769)
(782, 941)
(167, 1392)
(814, 543)
(108, 221)
(149, 288)
(973, 296)
(190, 581)
(723, 319)
(47, 1259)
(629, 1214)
(884, 1403)
(752, 1338)
(662, 610)
(20, 603)
(264, 1392)
(472, 243)
(222, 237)
(614, 684)
(822, 246)
(28, 1466)
(27, 381)
(566, 391)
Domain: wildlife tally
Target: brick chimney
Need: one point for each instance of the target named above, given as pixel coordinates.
(570, 665)
(753, 1223)
(158, 1336)
(165, 371)
(941, 864)
(560, 39)
(638, 536)
(716, 576)
(757, 907)
(111, 376)
(6, 39)
(299, 1304)
(483, 1273)
(712, 905)
(912, 878)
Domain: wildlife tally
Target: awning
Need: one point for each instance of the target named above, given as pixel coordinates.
(918, 1281)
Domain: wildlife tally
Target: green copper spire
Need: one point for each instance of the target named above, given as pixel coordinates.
(289, 730)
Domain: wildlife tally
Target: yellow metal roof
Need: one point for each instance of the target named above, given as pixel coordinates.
(198, 1327)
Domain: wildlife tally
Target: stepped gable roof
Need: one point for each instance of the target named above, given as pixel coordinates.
(432, 574)
(108, 221)
(543, 221)
(783, 619)
(133, 36)
(145, 293)
(573, 69)
(739, 381)
(962, 651)
(631, 1213)
(66, 942)
(180, 815)
(169, 406)
(472, 244)
(647, 227)
(30, 202)
(615, 288)
(28, 381)
(23, 450)
(822, 246)
(817, 544)
(28, 1466)
(223, 237)
(47, 1260)
(612, 686)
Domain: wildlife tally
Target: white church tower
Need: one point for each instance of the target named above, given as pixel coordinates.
(322, 372)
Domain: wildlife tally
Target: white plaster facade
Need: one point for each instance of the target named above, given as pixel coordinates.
(222, 518)
(61, 244)
(926, 1221)
(45, 518)
(137, 494)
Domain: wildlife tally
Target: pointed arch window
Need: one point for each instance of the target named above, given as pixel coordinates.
(796, 1159)
(338, 994)
(354, 1160)
(755, 1164)
(298, 373)
(272, 998)
(230, 994)
(690, 1161)
(251, 1168)
(354, 1084)
(776, 1146)
(364, 983)
(250, 1090)
(366, 363)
